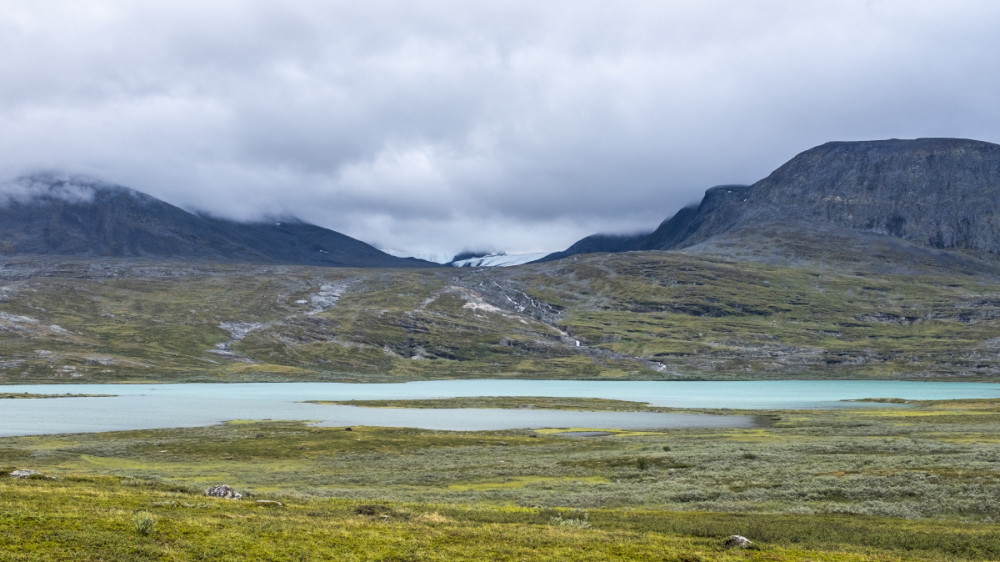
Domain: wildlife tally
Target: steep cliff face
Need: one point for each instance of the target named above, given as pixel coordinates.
(943, 193)
(940, 193)
(718, 212)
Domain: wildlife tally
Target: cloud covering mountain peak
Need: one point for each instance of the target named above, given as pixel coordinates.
(47, 186)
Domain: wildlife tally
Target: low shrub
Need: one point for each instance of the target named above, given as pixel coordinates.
(145, 523)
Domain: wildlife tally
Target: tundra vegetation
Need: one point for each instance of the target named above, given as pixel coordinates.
(913, 482)
(654, 315)
(897, 481)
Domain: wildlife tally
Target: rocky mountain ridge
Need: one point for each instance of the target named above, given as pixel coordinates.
(937, 193)
(51, 215)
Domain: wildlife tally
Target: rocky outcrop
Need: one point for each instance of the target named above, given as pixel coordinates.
(940, 193)
(223, 491)
(738, 541)
(25, 473)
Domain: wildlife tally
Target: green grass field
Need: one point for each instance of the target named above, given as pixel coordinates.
(917, 482)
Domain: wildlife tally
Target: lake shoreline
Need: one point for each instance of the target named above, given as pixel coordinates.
(674, 404)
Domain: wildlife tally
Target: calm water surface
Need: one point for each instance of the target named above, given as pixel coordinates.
(143, 406)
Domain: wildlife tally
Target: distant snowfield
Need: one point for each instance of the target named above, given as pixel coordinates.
(436, 258)
(490, 260)
(499, 260)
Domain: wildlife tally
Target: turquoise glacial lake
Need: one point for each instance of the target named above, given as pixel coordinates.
(146, 406)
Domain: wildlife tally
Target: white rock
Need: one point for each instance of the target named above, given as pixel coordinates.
(738, 541)
(223, 491)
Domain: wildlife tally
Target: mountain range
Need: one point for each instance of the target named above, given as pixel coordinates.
(908, 197)
(934, 193)
(61, 215)
(874, 260)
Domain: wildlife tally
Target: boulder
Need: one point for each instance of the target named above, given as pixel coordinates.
(223, 491)
(24, 473)
(738, 541)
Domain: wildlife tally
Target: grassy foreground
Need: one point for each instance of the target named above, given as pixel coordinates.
(94, 518)
(919, 482)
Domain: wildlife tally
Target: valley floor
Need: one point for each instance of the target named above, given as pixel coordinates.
(880, 484)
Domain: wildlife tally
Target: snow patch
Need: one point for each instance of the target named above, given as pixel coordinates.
(498, 260)
(431, 257)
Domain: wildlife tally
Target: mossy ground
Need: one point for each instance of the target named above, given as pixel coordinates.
(917, 482)
(114, 519)
(637, 315)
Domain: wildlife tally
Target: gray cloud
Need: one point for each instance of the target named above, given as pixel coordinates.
(438, 126)
(22, 190)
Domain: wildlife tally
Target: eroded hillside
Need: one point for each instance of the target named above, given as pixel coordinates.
(638, 315)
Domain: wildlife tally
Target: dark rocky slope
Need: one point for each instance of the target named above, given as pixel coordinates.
(938, 193)
(601, 243)
(56, 216)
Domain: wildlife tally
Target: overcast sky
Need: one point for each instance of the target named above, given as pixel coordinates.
(434, 126)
